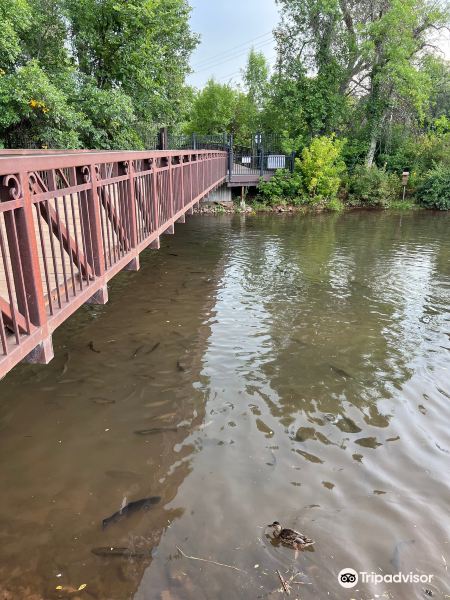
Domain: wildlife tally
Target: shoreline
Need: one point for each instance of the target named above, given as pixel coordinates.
(225, 208)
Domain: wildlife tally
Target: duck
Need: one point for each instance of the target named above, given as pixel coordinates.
(290, 537)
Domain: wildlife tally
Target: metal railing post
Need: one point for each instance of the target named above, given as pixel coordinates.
(183, 198)
(131, 206)
(230, 157)
(32, 282)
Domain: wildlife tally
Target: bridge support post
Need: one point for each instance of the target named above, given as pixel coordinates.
(42, 354)
(133, 265)
(156, 244)
(100, 296)
(170, 230)
(182, 219)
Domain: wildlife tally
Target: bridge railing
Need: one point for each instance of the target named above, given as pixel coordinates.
(70, 221)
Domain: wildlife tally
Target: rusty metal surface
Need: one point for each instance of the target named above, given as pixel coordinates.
(70, 221)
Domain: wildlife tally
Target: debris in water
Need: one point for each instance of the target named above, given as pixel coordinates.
(285, 585)
(92, 347)
(212, 562)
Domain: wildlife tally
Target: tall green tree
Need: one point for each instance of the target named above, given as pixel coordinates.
(92, 73)
(140, 46)
(366, 50)
(256, 78)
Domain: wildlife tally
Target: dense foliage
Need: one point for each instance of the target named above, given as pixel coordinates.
(373, 186)
(92, 73)
(315, 180)
(367, 71)
(434, 192)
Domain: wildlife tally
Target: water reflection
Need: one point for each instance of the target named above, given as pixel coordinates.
(290, 369)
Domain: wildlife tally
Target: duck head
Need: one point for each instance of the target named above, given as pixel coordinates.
(276, 527)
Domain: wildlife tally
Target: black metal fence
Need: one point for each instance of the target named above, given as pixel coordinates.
(259, 164)
(198, 142)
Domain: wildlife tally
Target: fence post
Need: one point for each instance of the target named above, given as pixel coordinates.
(171, 229)
(33, 304)
(152, 162)
(194, 141)
(92, 229)
(183, 199)
(292, 161)
(163, 140)
(261, 166)
(128, 166)
(230, 157)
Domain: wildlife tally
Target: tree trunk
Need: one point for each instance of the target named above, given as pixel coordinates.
(372, 148)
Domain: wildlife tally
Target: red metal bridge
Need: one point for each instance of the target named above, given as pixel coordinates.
(71, 220)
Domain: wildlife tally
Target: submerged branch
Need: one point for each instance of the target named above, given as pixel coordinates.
(212, 562)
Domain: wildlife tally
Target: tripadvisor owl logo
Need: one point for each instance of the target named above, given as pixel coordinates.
(348, 578)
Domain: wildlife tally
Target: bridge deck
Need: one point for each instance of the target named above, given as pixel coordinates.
(71, 221)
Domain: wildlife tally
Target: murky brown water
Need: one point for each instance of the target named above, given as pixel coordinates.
(305, 366)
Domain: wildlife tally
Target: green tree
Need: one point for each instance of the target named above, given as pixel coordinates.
(15, 19)
(256, 78)
(213, 109)
(141, 46)
(366, 50)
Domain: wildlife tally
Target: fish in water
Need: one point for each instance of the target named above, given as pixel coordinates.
(103, 400)
(155, 430)
(153, 348)
(180, 366)
(340, 372)
(396, 555)
(136, 352)
(92, 347)
(126, 552)
(131, 508)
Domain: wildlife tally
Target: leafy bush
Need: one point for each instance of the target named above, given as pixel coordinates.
(322, 168)
(335, 205)
(34, 109)
(110, 118)
(372, 186)
(284, 186)
(434, 192)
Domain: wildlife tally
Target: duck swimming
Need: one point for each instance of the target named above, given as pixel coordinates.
(290, 537)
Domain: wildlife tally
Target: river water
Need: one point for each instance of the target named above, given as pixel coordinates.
(285, 368)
